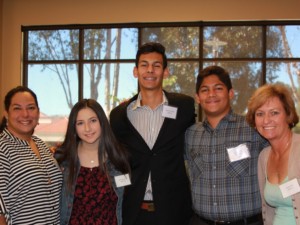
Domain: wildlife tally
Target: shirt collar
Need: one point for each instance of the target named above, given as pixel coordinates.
(137, 103)
(13, 138)
(231, 117)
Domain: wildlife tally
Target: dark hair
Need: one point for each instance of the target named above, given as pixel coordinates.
(7, 101)
(151, 47)
(108, 147)
(264, 94)
(221, 73)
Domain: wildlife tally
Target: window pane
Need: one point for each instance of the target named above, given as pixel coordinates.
(246, 78)
(232, 42)
(180, 42)
(283, 41)
(56, 87)
(53, 45)
(107, 57)
(182, 78)
(109, 83)
(285, 72)
(110, 43)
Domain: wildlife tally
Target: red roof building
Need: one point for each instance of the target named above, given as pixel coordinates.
(51, 129)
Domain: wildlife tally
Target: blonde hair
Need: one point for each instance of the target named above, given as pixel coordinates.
(264, 94)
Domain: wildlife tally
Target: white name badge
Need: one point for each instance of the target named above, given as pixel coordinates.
(289, 188)
(122, 180)
(169, 111)
(238, 153)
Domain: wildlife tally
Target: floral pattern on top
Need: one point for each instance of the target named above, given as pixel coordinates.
(94, 199)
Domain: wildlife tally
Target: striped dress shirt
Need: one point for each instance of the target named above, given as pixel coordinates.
(148, 123)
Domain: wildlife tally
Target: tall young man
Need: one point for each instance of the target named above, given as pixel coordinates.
(152, 125)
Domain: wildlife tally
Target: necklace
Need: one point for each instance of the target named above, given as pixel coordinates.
(278, 162)
(43, 166)
(286, 147)
(39, 158)
(88, 157)
(287, 144)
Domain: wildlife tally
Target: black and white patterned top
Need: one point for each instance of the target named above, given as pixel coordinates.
(30, 187)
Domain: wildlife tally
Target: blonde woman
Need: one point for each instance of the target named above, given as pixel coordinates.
(272, 112)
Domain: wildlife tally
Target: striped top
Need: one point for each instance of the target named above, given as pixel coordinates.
(148, 123)
(30, 187)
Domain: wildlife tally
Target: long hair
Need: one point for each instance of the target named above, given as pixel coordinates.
(7, 101)
(108, 145)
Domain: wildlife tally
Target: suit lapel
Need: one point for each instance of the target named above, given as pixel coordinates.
(131, 128)
(164, 130)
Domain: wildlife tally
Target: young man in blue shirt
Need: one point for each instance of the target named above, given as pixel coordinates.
(222, 153)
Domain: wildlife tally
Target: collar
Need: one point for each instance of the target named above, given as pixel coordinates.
(7, 134)
(137, 103)
(231, 117)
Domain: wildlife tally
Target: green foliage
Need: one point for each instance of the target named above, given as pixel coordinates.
(240, 55)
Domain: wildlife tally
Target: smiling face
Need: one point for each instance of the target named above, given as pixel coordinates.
(22, 115)
(150, 71)
(88, 126)
(271, 120)
(214, 97)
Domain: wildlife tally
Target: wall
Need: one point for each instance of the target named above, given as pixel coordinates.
(40, 12)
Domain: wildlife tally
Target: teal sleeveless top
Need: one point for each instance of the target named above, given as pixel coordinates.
(284, 213)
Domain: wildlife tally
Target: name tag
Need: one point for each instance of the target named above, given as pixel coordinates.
(238, 153)
(122, 180)
(169, 111)
(289, 188)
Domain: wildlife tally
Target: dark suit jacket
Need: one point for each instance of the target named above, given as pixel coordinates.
(170, 183)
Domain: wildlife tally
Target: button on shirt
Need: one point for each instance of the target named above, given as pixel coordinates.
(224, 190)
(148, 123)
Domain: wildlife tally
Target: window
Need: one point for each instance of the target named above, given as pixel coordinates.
(63, 64)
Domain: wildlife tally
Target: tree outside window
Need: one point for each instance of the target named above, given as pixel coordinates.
(63, 64)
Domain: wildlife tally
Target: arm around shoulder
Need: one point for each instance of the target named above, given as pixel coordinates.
(2, 220)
